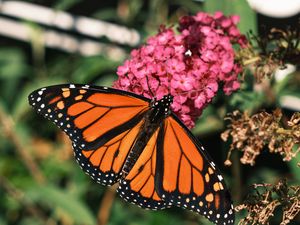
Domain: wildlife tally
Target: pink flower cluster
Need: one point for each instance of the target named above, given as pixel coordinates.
(190, 65)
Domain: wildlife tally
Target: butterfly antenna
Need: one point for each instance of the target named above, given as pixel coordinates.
(149, 87)
(169, 85)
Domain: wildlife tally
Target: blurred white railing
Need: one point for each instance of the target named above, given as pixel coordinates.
(88, 27)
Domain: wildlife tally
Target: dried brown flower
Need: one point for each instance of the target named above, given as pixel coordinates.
(274, 50)
(261, 204)
(250, 134)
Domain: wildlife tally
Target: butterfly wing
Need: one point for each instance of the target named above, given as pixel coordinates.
(173, 169)
(187, 177)
(139, 186)
(104, 123)
(101, 122)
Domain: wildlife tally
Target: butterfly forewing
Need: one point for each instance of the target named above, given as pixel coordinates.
(85, 113)
(101, 122)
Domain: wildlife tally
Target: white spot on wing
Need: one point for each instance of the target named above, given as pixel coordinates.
(213, 165)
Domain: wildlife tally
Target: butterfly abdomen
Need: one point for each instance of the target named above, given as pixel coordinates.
(159, 110)
(146, 131)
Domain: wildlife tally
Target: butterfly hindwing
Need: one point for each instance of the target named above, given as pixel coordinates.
(139, 186)
(104, 164)
(101, 122)
(189, 178)
(173, 169)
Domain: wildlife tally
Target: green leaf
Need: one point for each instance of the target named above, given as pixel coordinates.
(247, 100)
(31, 221)
(190, 6)
(265, 175)
(65, 4)
(12, 63)
(237, 7)
(281, 86)
(2, 221)
(107, 80)
(294, 167)
(108, 14)
(90, 68)
(208, 122)
(58, 199)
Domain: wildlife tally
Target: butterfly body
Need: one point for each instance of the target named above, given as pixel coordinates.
(120, 137)
(159, 109)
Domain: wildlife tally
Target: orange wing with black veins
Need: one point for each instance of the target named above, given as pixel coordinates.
(189, 178)
(102, 123)
(139, 186)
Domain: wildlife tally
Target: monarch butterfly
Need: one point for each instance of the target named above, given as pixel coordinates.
(121, 137)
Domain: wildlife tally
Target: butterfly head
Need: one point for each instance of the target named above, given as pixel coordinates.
(167, 99)
(162, 106)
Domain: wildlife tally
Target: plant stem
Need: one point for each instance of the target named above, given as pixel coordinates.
(283, 131)
(236, 171)
(19, 196)
(10, 132)
(106, 204)
(252, 60)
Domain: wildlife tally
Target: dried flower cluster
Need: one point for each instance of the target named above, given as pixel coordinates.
(251, 134)
(261, 204)
(190, 65)
(271, 51)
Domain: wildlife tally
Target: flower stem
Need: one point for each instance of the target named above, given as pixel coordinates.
(9, 131)
(236, 171)
(283, 131)
(106, 205)
(252, 60)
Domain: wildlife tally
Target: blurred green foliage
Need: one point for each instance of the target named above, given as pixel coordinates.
(40, 182)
